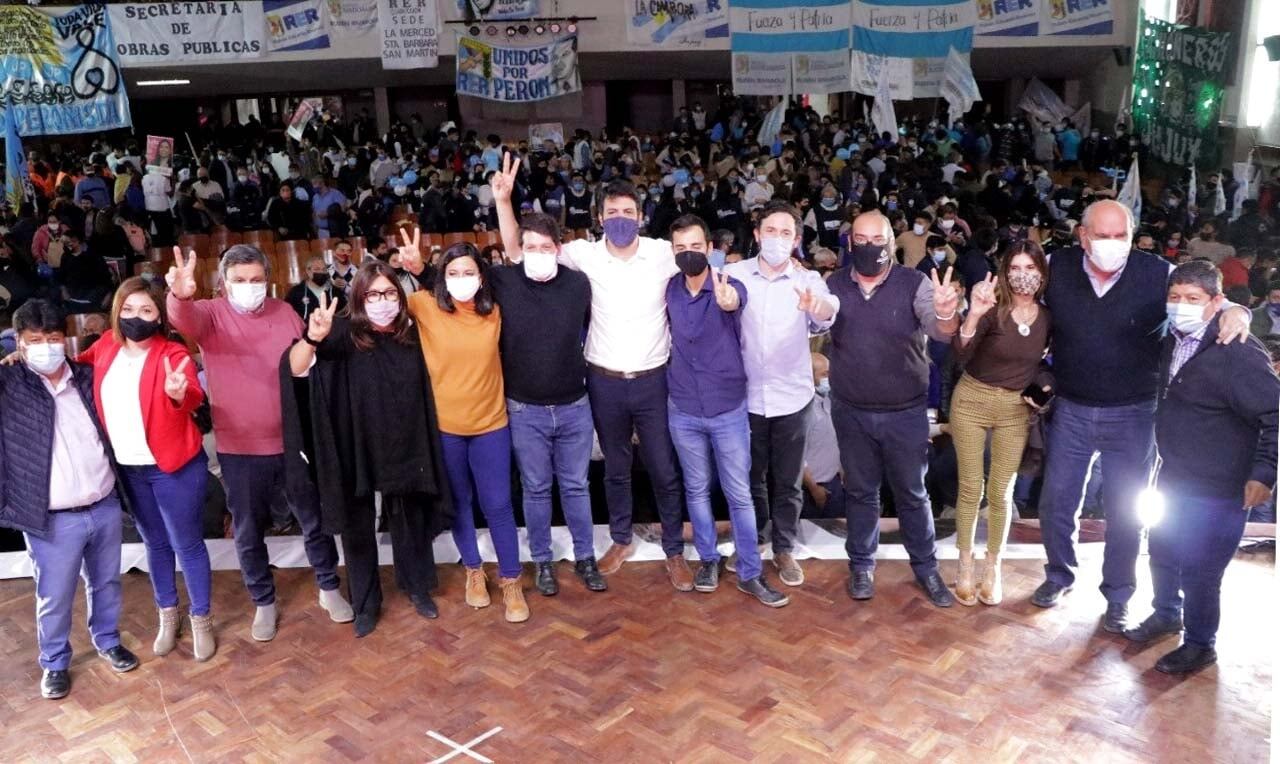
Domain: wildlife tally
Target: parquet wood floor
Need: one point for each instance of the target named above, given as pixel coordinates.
(642, 674)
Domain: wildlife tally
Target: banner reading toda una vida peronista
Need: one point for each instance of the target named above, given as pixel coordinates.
(191, 32)
(517, 73)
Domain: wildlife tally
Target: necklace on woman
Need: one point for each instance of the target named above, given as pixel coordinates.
(1024, 327)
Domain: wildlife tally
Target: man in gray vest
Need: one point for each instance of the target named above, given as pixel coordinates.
(880, 382)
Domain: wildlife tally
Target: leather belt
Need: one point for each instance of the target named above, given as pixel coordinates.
(625, 374)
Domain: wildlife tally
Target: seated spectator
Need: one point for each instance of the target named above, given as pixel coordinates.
(306, 296)
(288, 216)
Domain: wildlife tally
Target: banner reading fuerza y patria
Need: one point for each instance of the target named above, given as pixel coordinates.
(913, 28)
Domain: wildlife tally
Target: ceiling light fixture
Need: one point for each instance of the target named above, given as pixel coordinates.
(524, 29)
(511, 31)
(491, 30)
(474, 30)
(155, 83)
(539, 29)
(555, 27)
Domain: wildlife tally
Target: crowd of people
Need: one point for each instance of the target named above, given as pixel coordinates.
(795, 325)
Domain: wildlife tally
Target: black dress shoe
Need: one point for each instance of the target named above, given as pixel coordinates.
(760, 589)
(591, 576)
(707, 579)
(120, 658)
(1048, 594)
(1186, 659)
(937, 591)
(862, 585)
(544, 579)
(425, 606)
(1116, 621)
(365, 623)
(1152, 629)
(55, 683)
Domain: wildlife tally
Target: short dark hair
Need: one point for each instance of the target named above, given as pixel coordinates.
(985, 238)
(483, 298)
(1273, 286)
(39, 316)
(774, 206)
(1201, 273)
(925, 216)
(1272, 343)
(542, 223)
(616, 189)
(685, 222)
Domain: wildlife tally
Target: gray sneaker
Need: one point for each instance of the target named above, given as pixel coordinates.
(789, 571)
(707, 579)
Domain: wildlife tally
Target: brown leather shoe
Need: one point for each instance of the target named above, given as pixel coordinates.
(679, 573)
(789, 571)
(618, 553)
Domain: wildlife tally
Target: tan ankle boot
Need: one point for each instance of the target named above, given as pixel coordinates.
(964, 582)
(167, 635)
(992, 590)
(477, 588)
(513, 600)
(203, 643)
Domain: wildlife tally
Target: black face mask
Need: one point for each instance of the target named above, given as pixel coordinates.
(319, 279)
(138, 329)
(869, 259)
(691, 263)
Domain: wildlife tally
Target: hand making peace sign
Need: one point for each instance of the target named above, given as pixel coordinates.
(503, 182)
(175, 380)
(181, 277)
(945, 296)
(321, 320)
(983, 298)
(726, 296)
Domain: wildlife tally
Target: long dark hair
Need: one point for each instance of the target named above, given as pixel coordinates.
(483, 298)
(1004, 294)
(362, 329)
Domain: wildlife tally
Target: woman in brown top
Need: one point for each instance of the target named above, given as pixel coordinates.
(1001, 351)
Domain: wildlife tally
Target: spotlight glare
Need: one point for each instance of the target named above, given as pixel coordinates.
(1150, 506)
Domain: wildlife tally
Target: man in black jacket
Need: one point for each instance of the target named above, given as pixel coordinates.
(1216, 433)
(58, 486)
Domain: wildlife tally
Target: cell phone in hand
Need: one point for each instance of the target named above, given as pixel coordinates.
(1037, 395)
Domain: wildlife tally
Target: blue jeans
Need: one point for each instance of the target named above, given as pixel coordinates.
(1123, 437)
(554, 442)
(167, 509)
(252, 483)
(1190, 549)
(74, 544)
(479, 467)
(727, 438)
(885, 445)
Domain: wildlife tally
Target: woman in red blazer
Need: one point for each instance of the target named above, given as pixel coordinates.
(146, 390)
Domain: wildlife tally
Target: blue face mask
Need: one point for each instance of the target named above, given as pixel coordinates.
(579, 187)
(654, 190)
(823, 386)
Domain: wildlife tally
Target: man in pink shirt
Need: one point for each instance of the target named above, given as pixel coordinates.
(242, 337)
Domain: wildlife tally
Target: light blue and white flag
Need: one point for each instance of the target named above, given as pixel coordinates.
(959, 89)
(1131, 193)
(913, 28)
(787, 26)
(882, 115)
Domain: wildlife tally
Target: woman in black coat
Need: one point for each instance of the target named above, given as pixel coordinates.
(360, 417)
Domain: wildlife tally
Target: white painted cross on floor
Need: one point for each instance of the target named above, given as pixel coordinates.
(464, 748)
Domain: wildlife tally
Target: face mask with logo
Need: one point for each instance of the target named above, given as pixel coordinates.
(776, 250)
(1026, 282)
(1108, 255)
(620, 231)
(44, 358)
(869, 259)
(540, 266)
(246, 298)
(382, 313)
(462, 288)
(1185, 317)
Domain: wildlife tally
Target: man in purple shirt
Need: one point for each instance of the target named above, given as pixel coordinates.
(707, 413)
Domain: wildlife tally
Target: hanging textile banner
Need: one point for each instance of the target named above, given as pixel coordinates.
(296, 24)
(517, 73)
(148, 33)
(498, 10)
(1179, 74)
(675, 23)
(351, 20)
(60, 71)
(1009, 18)
(867, 73)
(1043, 104)
(767, 35)
(410, 34)
(1077, 17)
(913, 28)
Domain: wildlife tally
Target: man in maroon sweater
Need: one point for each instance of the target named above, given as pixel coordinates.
(242, 337)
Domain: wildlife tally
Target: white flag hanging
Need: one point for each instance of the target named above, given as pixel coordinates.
(1219, 199)
(882, 114)
(772, 124)
(959, 88)
(1131, 194)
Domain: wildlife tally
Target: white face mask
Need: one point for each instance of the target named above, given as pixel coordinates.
(540, 266)
(462, 288)
(382, 314)
(246, 298)
(1108, 255)
(1185, 317)
(917, 229)
(947, 224)
(46, 358)
(776, 250)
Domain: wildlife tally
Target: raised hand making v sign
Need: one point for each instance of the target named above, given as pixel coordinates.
(175, 380)
(181, 277)
(946, 296)
(726, 296)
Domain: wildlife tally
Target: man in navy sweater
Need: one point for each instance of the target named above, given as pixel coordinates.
(879, 391)
(1219, 400)
(1108, 304)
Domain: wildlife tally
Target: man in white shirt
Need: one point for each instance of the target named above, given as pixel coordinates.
(157, 194)
(58, 487)
(759, 191)
(628, 345)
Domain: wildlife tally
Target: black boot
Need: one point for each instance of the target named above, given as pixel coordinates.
(545, 579)
(425, 606)
(591, 576)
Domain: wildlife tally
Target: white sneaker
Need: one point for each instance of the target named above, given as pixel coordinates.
(336, 606)
(264, 623)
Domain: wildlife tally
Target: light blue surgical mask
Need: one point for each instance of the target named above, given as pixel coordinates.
(823, 386)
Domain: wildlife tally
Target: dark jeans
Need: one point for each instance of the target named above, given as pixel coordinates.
(410, 548)
(1123, 438)
(167, 509)
(835, 502)
(777, 475)
(876, 446)
(251, 483)
(553, 443)
(1190, 549)
(619, 408)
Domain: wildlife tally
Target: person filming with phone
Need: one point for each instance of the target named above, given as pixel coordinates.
(1001, 345)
